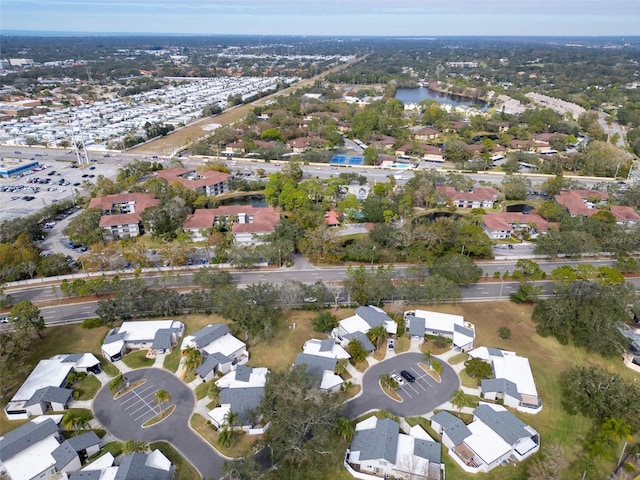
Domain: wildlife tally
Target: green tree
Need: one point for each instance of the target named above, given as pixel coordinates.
(134, 446)
(478, 368)
(118, 383)
(515, 187)
(345, 428)
(211, 277)
(528, 269)
(26, 316)
(356, 350)
(15, 350)
(324, 322)
(192, 358)
(377, 335)
(461, 400)
(460, 269)
(84, 228)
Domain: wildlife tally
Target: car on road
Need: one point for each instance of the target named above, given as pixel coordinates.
(189, 261)
(399, 380)
(408, 376)
(4, 319)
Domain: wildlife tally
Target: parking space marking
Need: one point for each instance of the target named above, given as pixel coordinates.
(136, 403)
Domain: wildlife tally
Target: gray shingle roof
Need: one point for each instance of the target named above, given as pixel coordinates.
(72, 358)
(379, 442)
(162, 339)
(243, 401)
(363, 339)
(220, 357)
(84, 441)
(243, 373)
(427, 449)
(63, 455)
(132, 467)
(464, 330)
(208, 334)
(372, 316)
(49, 394)
(316, 366)
(494, 352)
(113, 336)
(504, 423)
(327, 344)
(500, 385)
(455, 428)
(85, 475)
(25, 436)
(416, 326)
(208, 365)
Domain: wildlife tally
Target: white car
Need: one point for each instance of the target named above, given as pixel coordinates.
(397, 378)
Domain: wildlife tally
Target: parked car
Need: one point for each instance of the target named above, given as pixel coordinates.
(408, 376)
(4, 319)
(397, 378)
(189, 261)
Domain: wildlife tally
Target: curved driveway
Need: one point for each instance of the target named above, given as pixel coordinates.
(420, 397)
(123, 418)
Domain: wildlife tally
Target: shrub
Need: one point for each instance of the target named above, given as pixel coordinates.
(324, 322)
(90, 323)
(504, 333)
(441, 342)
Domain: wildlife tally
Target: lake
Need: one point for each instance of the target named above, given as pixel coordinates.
(415, 95)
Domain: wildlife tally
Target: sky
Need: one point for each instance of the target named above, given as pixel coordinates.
(326, 17)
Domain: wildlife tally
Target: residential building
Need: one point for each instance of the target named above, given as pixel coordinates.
(480, 197)
(36, 450)
(43, 390)
(380, 450)
(357, 326)
(122, 213)
(625, 215)
(322, 369)
(134, 466)
(502, 225)
(582, 203)
(512, 380)
(494, 437)
(422, 323)
(159, 336)
(426, 133)
(249, 223)
(241, 392)
(210, 182)
(221, 351)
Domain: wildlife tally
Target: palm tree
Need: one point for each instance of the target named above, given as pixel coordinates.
(437, 366)
(345, 428)
(117, 383)
(616, 429)
(461, 399)
(427, 357)
(162, 396)
(193, 358)
(341, 366)
(227, 435)
(76, 421)
(385, 380)
(377, 335)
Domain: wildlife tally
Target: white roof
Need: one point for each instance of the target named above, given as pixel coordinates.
(105, 461)
(517, 370)
(312, 347)
(418, 432)
(145, 331)
(48, 373)
(330, 380)
(113, 348)
(219, 414)
(33, 460)
(406, 461)
(157, 460)
(440, 321)
(486, 443)
(460, 339)
(226, 345)
(354, 324)
(258, 378)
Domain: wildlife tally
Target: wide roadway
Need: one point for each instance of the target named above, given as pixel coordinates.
(122, 419)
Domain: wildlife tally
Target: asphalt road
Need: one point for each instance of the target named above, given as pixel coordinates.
(123, 418)
(418, 398)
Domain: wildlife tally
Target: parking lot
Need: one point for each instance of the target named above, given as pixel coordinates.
(423, 383)
(50, 182)
(140, 404)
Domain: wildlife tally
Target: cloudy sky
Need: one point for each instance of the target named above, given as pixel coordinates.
(326, 17)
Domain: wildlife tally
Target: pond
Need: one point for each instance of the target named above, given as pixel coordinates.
(520, 207)
(415, 95)
(253, 200)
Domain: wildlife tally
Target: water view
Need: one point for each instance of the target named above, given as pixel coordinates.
(415, 95)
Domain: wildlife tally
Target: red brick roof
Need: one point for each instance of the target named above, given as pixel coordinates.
(265, 219)
(574, 201)
(625, 214)
(142, 201)
(505, 220)
(480, 194)
(119, 219)
(331, 218)
(208, 178)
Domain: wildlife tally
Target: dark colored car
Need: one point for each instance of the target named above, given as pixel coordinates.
(408, 376)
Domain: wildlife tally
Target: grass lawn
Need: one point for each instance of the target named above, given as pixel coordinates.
(402, 344)
(184, 470)
(137, 359)
(108, 367)
(115, 448)
(172, 361)
(242, 445)
(459, 358)
(201, 391)
(88, 387)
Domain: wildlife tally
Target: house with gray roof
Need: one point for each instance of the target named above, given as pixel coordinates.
(241, 392)
(159, 336)
(423, 323)
(359, 324)
(147, 466)
(36, 450)
(216, 340)
(494, 437)
(44, 389)
(379, 449)
(322, 369)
